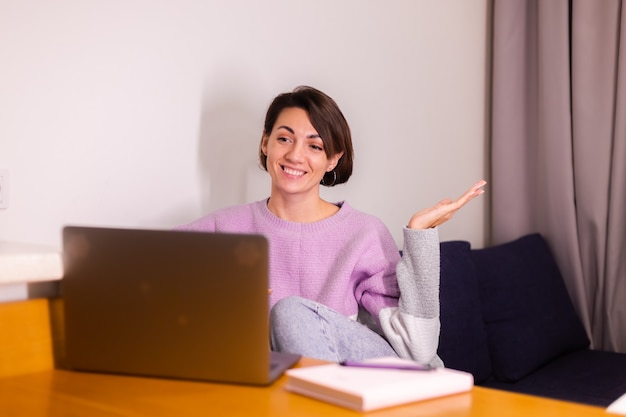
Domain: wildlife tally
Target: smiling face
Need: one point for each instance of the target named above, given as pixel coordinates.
(296, 158)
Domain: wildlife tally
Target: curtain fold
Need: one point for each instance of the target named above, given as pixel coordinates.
(557, 146)
(615, 310)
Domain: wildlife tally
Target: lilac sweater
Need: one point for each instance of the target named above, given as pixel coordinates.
(350, 262)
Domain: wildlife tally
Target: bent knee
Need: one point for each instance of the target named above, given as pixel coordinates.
(289, 307)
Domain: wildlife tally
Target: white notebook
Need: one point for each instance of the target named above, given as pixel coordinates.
(365, 389)
(618, 406)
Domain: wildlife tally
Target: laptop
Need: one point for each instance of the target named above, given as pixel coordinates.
(168, 304)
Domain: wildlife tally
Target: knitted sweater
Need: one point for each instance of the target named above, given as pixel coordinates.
(350, 263)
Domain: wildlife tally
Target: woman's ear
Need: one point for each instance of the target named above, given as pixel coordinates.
(264, 140)
(333, 161)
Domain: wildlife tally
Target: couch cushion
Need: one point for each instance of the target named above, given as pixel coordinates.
(528, 314)
(586, 376)
(463, 340)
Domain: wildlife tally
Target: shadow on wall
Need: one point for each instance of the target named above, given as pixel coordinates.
(230, 131)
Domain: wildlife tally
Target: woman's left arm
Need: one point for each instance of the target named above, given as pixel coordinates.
(413, 327)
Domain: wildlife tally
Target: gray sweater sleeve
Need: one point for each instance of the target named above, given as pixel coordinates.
(413, 327)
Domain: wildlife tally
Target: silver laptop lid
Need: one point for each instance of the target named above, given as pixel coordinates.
(166, 303)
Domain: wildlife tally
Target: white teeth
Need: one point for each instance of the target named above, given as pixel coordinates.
(293, 172)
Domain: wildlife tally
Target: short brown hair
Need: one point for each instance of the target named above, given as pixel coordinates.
(326, 118)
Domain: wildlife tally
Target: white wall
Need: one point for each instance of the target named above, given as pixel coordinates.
(147, 113)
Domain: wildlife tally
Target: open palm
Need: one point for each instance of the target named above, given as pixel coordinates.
(445, 209)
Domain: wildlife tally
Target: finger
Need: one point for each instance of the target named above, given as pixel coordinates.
(474, 191)
(444, 202)
(447, 208)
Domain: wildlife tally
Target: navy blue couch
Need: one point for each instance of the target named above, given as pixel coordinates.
(507, 318)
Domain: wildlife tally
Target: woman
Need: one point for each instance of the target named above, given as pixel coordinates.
(339, 288)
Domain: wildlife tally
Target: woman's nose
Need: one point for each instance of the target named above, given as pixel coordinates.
(295, 153)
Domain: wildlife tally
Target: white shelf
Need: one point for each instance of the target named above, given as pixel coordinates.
(28, 263)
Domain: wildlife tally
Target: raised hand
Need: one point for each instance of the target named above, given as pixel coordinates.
(445, 209)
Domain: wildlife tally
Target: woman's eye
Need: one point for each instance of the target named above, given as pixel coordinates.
(317, 148)
(281, 139)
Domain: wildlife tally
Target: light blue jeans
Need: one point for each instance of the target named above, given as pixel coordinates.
(308, 328)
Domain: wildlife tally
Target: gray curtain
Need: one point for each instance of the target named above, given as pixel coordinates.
(558, 146)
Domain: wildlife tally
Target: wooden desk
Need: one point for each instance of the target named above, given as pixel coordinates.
(54, 392)
(63, 393)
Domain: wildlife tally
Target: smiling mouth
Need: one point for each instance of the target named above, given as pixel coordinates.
(293, 172)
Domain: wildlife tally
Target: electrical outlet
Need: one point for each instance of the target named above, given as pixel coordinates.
(4, 188)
